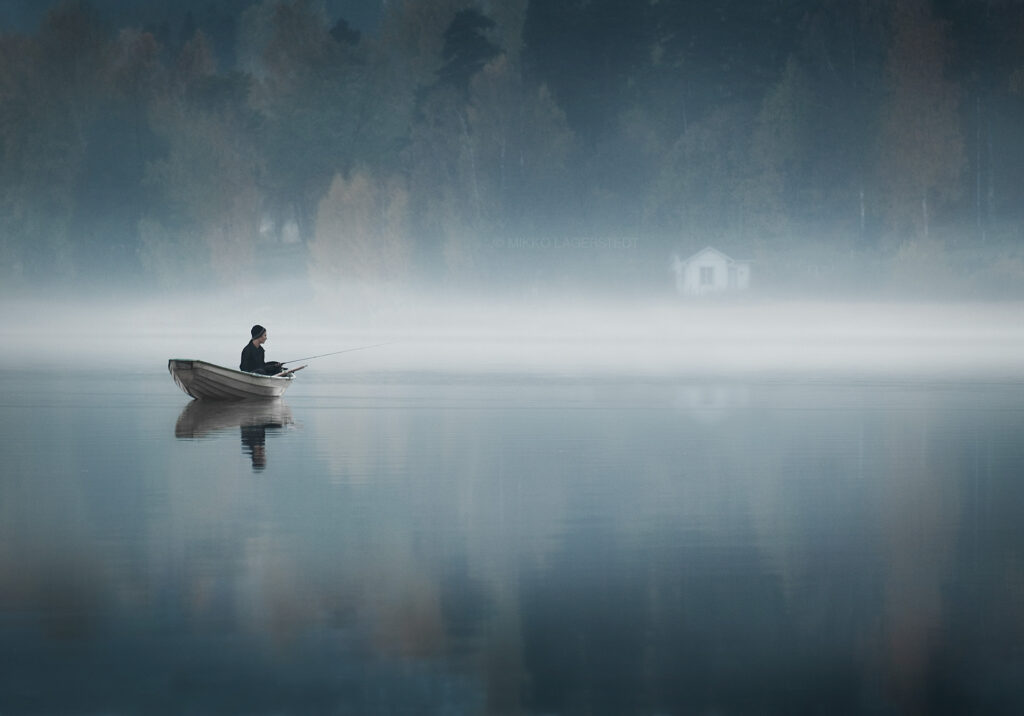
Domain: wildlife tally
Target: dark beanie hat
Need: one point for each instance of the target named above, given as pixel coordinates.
(258, 331)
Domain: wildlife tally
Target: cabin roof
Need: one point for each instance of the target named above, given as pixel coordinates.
(724, 255)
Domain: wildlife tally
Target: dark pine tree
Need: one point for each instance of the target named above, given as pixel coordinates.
(466, 49)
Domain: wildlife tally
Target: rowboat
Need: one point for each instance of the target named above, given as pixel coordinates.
(207, 381)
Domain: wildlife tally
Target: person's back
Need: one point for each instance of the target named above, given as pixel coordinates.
(252, 358)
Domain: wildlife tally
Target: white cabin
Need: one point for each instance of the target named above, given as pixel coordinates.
(709, 271)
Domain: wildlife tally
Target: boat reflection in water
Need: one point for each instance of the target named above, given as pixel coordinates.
(202, 419)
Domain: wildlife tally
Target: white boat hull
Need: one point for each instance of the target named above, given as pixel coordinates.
(207, 381)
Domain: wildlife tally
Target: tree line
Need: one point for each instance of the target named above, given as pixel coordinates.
(790, 131)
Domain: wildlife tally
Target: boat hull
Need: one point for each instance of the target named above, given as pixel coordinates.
(207, 381)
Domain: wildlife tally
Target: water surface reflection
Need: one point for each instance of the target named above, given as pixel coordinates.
(203, 418)
(557, 548)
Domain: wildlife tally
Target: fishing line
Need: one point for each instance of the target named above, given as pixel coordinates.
(336, 352)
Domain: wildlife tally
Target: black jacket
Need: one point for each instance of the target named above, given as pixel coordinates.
(252, 358)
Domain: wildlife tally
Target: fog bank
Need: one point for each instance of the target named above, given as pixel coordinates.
(472, 336)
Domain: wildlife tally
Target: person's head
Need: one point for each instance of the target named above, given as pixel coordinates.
(259, 334)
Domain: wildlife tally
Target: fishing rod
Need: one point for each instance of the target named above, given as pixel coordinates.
(347, 350)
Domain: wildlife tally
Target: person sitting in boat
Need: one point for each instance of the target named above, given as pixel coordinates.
(252, 355)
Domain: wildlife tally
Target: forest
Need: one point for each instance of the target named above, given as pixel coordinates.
(844, 146)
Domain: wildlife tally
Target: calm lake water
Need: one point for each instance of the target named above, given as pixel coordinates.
(511, 545)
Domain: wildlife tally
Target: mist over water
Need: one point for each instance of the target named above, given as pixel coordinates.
(480, 335)
(514, 506)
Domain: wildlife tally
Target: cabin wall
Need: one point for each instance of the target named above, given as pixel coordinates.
(710, 272)
(704, 274)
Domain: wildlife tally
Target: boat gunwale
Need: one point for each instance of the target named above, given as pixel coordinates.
(231, 372)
